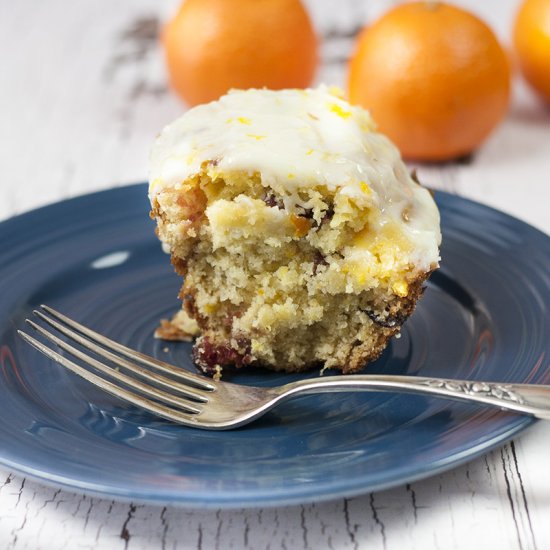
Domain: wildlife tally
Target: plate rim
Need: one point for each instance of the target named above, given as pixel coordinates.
(271, 500)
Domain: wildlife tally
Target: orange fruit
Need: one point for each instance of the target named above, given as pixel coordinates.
(532, 44)
(434, 78)
(213, 45)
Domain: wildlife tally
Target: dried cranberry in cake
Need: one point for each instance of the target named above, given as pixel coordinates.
(211, 356)
(272, 200)
(318, 260)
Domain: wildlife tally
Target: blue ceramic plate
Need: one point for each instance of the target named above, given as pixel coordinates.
(483, 316)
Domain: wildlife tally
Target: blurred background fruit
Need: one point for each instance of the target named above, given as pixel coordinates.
(213, 45)
(433, 76)
(532, 44)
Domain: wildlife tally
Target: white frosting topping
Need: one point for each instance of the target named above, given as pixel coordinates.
(296, 139)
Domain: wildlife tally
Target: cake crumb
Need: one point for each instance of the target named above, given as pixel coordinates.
(181, 328)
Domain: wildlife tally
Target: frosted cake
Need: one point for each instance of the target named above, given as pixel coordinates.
(301, 236)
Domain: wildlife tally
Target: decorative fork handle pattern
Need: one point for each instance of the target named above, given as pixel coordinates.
(500, 391)
(524, 398)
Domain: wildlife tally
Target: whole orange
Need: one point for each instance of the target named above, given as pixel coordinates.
(532, 44)
(434, 78)
(214, 45)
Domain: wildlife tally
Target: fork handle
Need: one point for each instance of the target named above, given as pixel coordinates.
(524, 398)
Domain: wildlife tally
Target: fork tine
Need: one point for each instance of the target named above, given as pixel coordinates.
(194, 379)
(191, 392)
(147, 404)
(119, 376)
(184, 389)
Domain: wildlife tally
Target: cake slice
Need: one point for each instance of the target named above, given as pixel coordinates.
(301, 236)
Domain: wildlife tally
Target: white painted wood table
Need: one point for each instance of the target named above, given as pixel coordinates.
(82, 94)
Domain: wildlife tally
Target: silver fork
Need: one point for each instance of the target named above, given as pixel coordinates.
(187, 398)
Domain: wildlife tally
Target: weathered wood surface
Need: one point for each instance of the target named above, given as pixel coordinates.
(82, 92)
